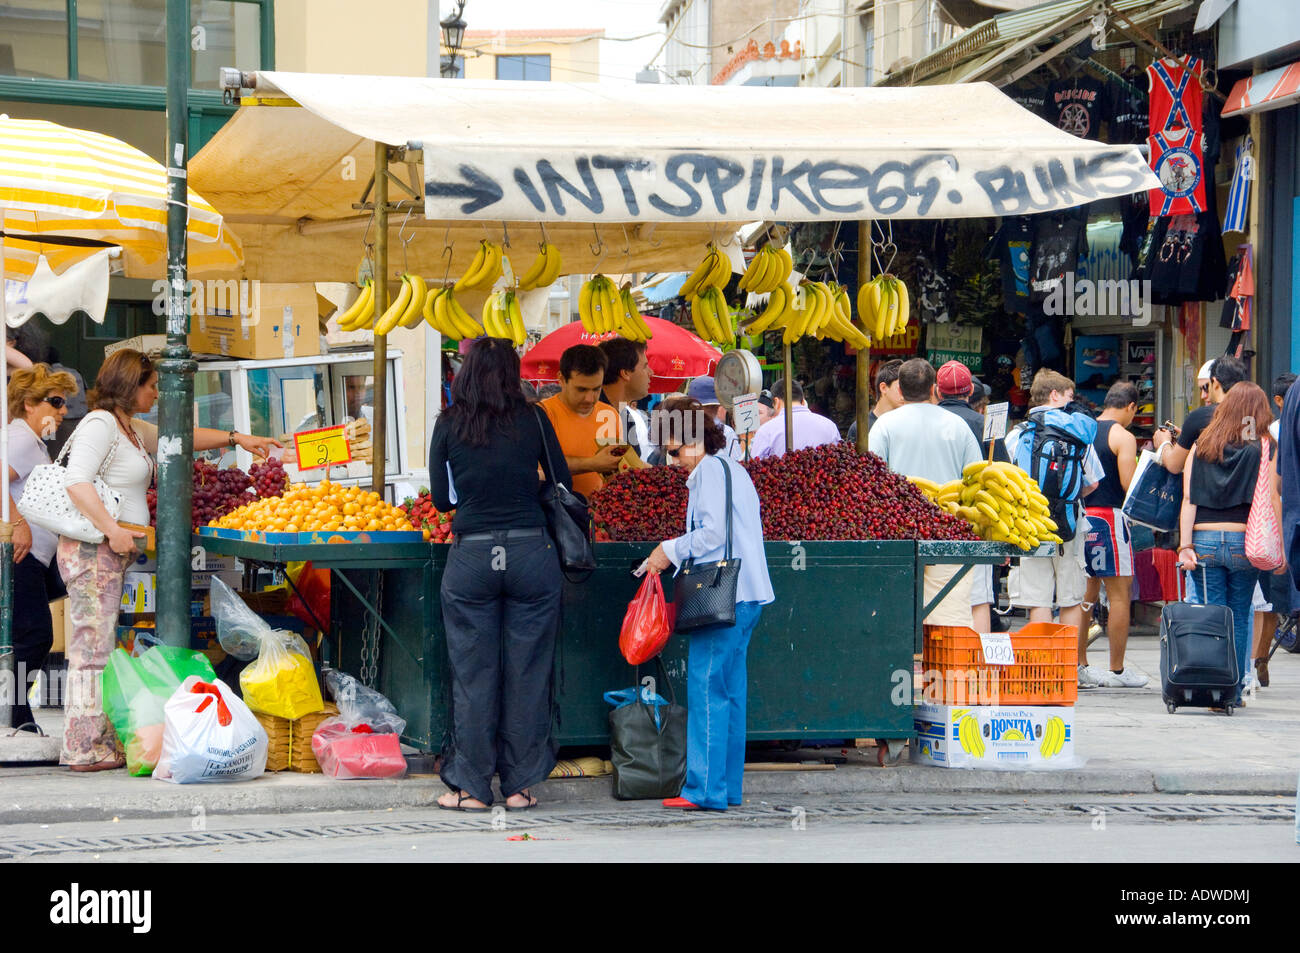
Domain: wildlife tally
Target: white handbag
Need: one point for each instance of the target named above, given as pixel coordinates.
(46, 503)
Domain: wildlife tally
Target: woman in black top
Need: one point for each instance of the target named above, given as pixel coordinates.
(501, 589)
(1218, 486)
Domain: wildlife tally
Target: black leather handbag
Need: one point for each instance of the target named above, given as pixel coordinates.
(705, 593)
(567, 518)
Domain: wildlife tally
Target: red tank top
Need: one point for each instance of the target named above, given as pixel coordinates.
(1176, 159)
(1175, 88)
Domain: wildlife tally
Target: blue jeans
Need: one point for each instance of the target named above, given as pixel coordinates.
(716, 687)
(1228, 579)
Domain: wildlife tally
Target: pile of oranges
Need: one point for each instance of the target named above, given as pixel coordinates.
(321, 507)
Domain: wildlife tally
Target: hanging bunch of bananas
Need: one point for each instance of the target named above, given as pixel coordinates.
(484, 270)
(599, 305)
(361, 313)
(1000, 500)
(406, 307)
(627, 316)
(822, 313)
(884, 307)
(713, 272)
(767, 270)
(544, 269)
(446, 315)
(503, 319)
(712, 317)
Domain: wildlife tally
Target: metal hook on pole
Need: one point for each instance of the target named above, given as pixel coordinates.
(599, 247)
(627, 243)
(541, 246)
(505, 235)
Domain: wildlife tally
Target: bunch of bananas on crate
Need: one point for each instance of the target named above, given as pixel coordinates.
(884, 307)
(544, 269)
(604, 307)
(823, 312)
(1053, 737)
(446, 315)
(484, 270)
(767, 271)
(968, 732)
(1000, 500)
(503, 319)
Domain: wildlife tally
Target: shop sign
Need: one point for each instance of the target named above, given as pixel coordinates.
(904, 342)
(1139, 352)
(322, 448)
(974, 361)
(955, 337)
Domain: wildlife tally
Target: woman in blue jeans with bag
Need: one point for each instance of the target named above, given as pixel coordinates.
(1218, 487)
(716, 677)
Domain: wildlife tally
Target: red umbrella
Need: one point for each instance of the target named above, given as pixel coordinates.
(675, 354)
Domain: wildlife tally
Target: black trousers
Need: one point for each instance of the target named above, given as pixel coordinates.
(501, 609)
(33, 626)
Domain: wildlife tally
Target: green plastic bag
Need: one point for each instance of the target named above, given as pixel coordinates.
(135, 691)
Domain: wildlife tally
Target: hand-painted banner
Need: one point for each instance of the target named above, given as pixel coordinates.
(678, 186)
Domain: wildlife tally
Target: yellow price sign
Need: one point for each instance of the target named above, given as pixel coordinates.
(322, 448)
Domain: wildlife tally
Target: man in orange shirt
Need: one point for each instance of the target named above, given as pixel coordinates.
(587, 427)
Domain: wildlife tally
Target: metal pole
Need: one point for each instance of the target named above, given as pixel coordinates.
(176, 370)
(788, 398)
(863, 384)
(8, 688)
(379, 428)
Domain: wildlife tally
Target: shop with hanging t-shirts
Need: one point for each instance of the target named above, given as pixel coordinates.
(1143, 288)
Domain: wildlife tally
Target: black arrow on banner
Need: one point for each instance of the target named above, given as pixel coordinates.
(478, 187)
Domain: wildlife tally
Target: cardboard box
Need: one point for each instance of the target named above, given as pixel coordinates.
(150, 345)
(139, 592)
(281, 322)
(1012, 736)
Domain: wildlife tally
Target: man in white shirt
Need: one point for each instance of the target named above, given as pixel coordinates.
(920, 438)
(627, 380)
(1032, 583)
(810, 430)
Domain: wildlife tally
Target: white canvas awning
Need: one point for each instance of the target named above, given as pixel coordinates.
(629, 177)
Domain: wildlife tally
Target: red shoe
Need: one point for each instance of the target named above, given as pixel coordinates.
(681, 804)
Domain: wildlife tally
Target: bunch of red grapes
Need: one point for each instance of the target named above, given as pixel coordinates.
(269, 478)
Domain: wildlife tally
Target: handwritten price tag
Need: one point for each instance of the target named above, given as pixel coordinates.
(745, 411)
(322, 448)
(997, 648)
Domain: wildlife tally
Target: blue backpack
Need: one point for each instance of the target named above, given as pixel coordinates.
(1053, 447)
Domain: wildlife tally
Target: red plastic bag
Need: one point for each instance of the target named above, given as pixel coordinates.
(357, 753)
(646, 626)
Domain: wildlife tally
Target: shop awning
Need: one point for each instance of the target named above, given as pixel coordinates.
(627, 177)
(1264, 91)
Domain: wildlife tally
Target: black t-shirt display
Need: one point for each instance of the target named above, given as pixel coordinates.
(1059, 239)
(1078, 105)
(1013, 245)
(1129, 111)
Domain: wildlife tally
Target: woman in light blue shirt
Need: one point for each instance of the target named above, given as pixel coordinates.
(716, 679)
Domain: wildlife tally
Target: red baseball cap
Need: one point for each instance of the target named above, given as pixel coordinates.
(954, 379)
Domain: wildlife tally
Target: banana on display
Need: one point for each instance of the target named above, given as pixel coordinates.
(713, 272)
(1001, 501)
(361, 313)
(484, 270)
(503, 319)
(884, 307)
(711, 316)
(400, 310)
(544, 270)
(445, 315)
(768, 269)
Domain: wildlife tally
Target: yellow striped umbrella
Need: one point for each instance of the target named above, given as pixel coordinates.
(73, 183)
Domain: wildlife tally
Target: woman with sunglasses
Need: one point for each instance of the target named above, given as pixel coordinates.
(716, 678)
(111, 444)
(37, 404)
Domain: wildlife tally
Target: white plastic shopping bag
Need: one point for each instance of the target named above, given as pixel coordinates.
(209, 735)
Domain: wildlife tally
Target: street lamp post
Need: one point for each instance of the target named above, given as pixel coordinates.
(453, 37)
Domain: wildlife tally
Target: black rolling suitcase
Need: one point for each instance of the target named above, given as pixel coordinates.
(1198, 659)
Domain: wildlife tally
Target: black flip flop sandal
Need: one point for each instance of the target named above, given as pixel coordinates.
(532, 802)
(460, 799)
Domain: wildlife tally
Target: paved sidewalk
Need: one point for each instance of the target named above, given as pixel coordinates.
(1125, 738)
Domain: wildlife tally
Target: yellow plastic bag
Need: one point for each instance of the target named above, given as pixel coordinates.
(282, 681)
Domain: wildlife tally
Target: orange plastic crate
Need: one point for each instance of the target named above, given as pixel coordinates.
(1045, 671)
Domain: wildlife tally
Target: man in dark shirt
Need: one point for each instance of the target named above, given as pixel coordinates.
(956, 390)
(888, 395)
(1224, 372)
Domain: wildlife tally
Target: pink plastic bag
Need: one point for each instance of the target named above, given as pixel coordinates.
(348, 754)
(646, 626)
(1263, 534)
